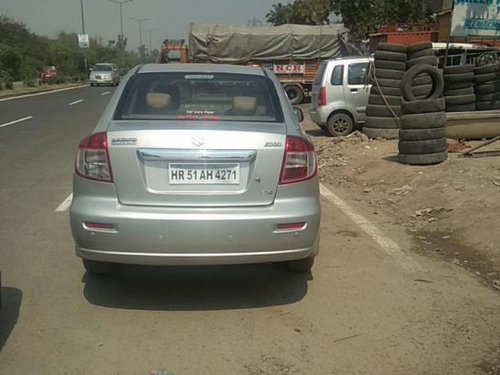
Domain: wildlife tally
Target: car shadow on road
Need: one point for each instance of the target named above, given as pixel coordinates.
(11, 304)
(196, 288)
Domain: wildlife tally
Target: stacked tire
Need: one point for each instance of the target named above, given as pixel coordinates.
(421, 54)
(487, 87)
(384, 103)
(459, 93)
(422, 137)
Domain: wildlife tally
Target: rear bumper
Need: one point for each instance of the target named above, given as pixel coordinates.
(187, 236)
(96, 81)
(319, 115)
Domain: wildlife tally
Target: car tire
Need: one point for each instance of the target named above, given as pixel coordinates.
(382, 110)
(92, 84)
(431, 146)
(459, 100)
(488, 97)
(388, 74)
(391, 100)
(459, 77)
(300, 265)
(294, 94)
(392, 65)
(461, 108)
(416, 47)
(459, 69)
(437, 86)
(375, 133)
(422, 80)
(422, 92)
(98, 268)
(423, 53)
(381, 122)
(421, 134)
(423, 120)
(392, 47)
(455, 92)
(426, 60)
(386, 91)
(487, 88)
(424, 159)
(488, 105)
(389, 55)
(340, 124)
(487, 69)
(423, 106)
(383, 82)
(486, 77)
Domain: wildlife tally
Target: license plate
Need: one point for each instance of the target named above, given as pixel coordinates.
(205, 174)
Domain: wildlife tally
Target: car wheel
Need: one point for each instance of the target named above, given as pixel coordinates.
(92, 84)
(295, 94)
(301, 265)
(340, 124)
(95, 267)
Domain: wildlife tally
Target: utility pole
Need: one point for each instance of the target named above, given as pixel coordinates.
(83, 32)
(120, 3)
(140, 21)
(150, 31)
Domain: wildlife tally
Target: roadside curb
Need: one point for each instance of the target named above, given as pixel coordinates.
(39, 92)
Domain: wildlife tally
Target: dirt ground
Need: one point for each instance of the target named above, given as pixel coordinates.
(452, 210)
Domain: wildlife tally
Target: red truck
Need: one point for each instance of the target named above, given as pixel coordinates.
(292, 52)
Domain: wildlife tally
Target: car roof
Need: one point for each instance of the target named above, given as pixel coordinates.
(201, 68)
(351, 59)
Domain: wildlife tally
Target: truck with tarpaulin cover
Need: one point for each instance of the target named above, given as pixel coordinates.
(292, 52)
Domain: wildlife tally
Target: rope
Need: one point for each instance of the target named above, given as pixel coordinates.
(372, 73)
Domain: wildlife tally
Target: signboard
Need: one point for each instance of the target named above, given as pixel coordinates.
(83, 41)
(289, 68)
(476, 18)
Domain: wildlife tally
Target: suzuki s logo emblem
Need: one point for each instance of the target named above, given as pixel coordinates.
(198, 140)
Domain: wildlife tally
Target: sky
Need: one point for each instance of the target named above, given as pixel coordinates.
(168, 18)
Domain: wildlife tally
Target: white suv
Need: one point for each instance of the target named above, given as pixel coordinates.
(340, 94)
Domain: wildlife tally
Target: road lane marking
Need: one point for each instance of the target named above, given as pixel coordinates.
(105, 93)
(388, 245)
(65, 204)
(16, 121)
(42, 93)
(76, 102)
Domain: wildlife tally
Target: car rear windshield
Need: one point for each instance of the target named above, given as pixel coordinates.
(102, 68)
(199, 96)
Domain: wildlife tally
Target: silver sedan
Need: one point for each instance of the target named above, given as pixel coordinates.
(195, 164)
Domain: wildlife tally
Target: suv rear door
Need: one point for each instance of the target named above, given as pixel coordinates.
(357, 88)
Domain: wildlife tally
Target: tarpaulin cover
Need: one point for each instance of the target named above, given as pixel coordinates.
(241, 44)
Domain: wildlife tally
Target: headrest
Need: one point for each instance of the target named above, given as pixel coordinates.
(244, 103)
(158, 100)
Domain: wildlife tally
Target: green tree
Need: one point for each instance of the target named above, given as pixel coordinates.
(279, 14)
(304, 12)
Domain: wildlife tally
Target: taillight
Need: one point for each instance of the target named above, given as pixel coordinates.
(299, 162)
(322, 97)
(92, 158)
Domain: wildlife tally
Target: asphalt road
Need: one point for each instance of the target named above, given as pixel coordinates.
(371, 305)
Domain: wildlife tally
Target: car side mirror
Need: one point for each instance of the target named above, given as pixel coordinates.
(298, 114)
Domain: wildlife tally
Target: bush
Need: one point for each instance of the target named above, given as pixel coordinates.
(9, 84)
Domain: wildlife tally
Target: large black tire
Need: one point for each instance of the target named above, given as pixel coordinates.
(460, 100)
(95, 267)
(388, 82)
(488, 105)
(458, 85)
(406, 82)
(391, 56)
(394, 65)
(461, 108)
(295, 94)
(454, 92)
(422, 53)
(423, 120)
(375, 133)
(488, 97)
(390, 91)
(487, 69)
(422, 92)
(423, 159)
(426, 60)
(459, 77)
(340, 124)
(423, 106)
(381, 123)
(422, 80)
(487, 88)
(431, 146)
(485, 78)
(391, 100)
(373, 110)
(300, 265)
(459, 69)
(389, 74)
(392, 47)
(422, 134)
(419, 47)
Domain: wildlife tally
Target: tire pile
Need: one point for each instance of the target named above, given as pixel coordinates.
(459, 88)
(487, 87)
(422, 137)
(384, 102)
(421, 54)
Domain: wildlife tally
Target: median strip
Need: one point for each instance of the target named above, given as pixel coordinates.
(16, 121)
(105, 93)
(76, 102)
